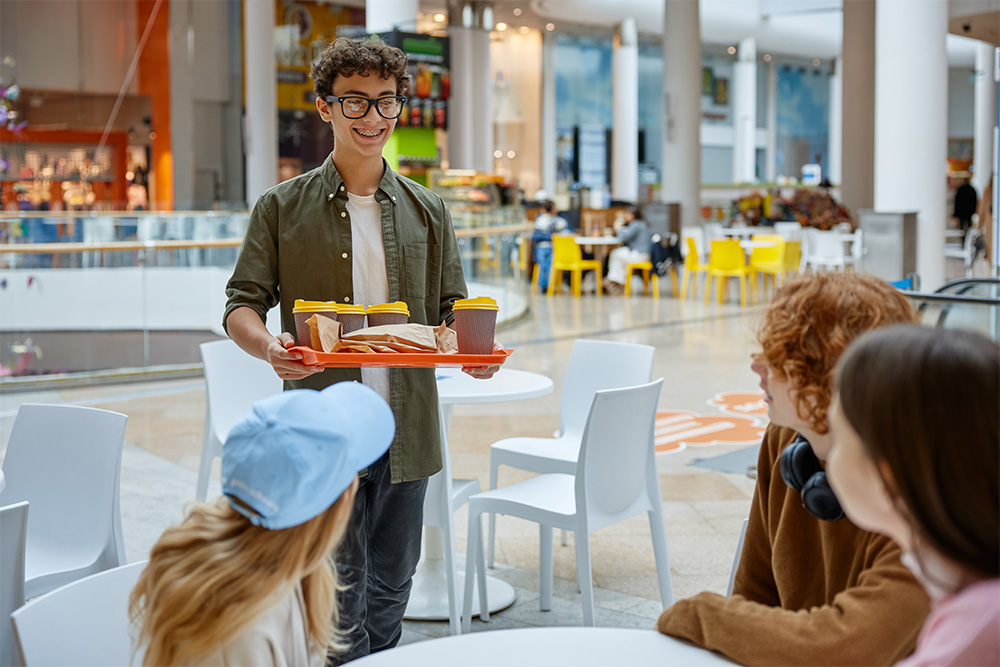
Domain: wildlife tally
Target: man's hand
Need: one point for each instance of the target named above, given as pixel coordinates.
(288, 365)
(483, 372)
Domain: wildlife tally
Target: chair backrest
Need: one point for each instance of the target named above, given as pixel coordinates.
(692, 260)
(234, 381)
(857, 245)
(774, 254)
(826, 247)
(616, 463)
(792, 231)
(736, 558)
(83, 623)
(66, 461)
(13, 531)
(696, 233)
(726, 255)
(793, 255)
(595, 365)
(565, 249)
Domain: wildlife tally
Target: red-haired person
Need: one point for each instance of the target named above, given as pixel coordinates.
(915, 457)
(811, 587)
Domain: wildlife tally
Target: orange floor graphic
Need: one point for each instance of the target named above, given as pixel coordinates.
(743, 422)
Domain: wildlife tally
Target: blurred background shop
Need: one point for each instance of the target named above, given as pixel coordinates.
(146, 129)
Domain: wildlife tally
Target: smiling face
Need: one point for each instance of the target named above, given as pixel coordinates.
(358, 139)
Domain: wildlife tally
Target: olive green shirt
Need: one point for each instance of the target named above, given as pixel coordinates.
(298, 246)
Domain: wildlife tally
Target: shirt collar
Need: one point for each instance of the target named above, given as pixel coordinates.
(389, 183)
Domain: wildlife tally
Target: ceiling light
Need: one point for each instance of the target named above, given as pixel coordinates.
(511, 154)
(439, 18)
(498, 154)
(816, 62)
(517, 11)
(550, 26)
(767, 57)
(731, 50)
(501, 26)
(524, 29)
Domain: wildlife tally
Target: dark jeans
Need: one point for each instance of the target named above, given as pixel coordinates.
(377, 560)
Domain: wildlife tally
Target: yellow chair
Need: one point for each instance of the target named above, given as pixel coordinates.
(793, 256)
(769, 261)
(726, 260)
(566, 256)
(648, 276)
(692, 264)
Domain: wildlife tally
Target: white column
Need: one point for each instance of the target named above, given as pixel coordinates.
(911, 72)
(182, 102)
(461, 119)
(745, 112)
(625, 111)
(482, 95)
(550, 156)
(836, 125)
(386, 15)
(771, 152)
(857, 186)
(261, 86)
(985, 117)
(682, 108)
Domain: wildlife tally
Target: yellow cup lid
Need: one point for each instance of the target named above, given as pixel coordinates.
(478, 303)
(348, 309)
(395, 307)
(303, 306)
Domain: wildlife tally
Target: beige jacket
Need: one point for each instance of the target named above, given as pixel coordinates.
(278, 637)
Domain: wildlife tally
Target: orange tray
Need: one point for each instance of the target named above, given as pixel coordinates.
(400, 359)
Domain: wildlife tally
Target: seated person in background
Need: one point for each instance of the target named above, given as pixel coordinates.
(547, 223)
(636, 237)
(811, 587)
(248, 579)
(915, 457)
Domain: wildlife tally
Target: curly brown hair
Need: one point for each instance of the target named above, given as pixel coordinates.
(347, 56)
(811, 322)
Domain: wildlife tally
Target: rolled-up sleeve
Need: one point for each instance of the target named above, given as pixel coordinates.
(254, 283)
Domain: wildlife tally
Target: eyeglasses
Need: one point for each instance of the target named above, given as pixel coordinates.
(357, 107)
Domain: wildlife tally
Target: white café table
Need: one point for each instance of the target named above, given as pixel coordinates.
(429, 595)
(550, 646)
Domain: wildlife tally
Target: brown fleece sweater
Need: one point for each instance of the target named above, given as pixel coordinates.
(807, 592)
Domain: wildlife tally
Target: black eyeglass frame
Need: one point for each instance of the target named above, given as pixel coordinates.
(371, 101)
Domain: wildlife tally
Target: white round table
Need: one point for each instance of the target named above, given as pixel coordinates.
(429, 595)
(550, 646)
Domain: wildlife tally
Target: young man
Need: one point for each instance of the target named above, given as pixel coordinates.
(353, 231)
(809, 590)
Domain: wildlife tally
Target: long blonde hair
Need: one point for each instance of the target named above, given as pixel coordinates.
(214, 573)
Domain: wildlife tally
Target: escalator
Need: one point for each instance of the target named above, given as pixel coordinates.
(966, 303)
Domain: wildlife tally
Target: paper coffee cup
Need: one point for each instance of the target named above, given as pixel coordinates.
(351, 317)
(475, 324)
(303, 310)
(388, 313)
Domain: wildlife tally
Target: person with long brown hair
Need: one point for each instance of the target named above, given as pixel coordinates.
(248, 579)
(811, 588)
(916, 457)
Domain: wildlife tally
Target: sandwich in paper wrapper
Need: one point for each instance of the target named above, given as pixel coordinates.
(388, 338)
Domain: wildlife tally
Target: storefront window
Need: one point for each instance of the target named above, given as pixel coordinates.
(803, 102)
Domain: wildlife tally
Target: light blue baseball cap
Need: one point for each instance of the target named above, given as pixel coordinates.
(292, 456)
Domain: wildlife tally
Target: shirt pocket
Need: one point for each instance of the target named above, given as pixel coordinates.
(422, 267)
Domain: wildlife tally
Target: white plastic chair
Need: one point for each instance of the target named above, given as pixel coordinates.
(85, 623)
(66, 461)
(234, 381)
(792, 231)
(593, 365)
(826, 251)
(736, 559)
(615, 479)
(13, 530)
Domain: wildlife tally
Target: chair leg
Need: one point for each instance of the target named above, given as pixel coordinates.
(545, 567)
(583, 575)
(534, 278)
(554, 277)
(708, 287)
(472, 552)
(743, 290)
(684, 285)
(598, 281)
(210, 448)
(491, 535)
(628, 281)
(673, 280)
(661, 552)
(448, 530)
(576, 280)
(655, 285)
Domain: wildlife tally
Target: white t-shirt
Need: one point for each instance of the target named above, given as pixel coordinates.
(371, 281)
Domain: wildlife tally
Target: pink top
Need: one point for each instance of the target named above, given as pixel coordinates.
(963, 629)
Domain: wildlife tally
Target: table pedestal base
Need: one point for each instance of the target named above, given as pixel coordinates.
(429, 602)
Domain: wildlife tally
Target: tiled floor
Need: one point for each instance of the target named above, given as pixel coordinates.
(701, 350)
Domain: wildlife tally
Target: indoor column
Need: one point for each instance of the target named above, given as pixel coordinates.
(985, 115)
(461, 119)
(745, 112)
(625, 111)
(261, 86)
(911, 122)
(386, 15)
(682, 109)
(857, 66)
(550, 157)
(836, 125)
(182, 102)
(482, 89)
(771, 151)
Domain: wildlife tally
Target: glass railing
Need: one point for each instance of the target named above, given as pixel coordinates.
(967, 303)
(85, 296)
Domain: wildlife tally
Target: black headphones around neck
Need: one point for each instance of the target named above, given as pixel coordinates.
(801, 470)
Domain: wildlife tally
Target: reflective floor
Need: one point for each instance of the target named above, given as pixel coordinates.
(701, 351)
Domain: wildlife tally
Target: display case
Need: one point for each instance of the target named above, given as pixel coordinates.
(472, 197)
